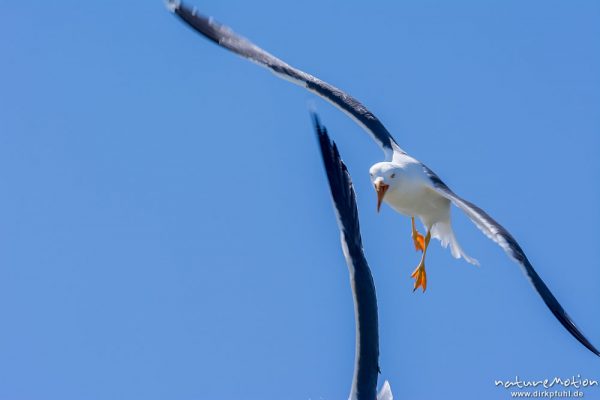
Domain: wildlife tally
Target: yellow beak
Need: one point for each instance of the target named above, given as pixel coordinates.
(380, 188)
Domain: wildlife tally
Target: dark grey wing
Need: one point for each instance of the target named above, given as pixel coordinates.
(225, 37)
(500, 235)
(366, 368)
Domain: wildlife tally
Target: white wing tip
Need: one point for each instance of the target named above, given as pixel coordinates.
(172, 5)
(386, 392)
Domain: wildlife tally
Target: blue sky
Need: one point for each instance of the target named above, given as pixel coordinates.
(165, 224)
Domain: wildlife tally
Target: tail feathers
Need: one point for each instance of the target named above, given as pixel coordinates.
(444, 233)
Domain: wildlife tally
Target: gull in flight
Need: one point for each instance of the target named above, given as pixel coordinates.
(401, 181)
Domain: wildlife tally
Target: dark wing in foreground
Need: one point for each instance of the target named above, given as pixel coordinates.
(225, 37)
(500, 235)
(366, 369)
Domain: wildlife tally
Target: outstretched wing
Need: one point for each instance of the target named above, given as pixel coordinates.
(366, 365)
(500, 235)
(228, 39)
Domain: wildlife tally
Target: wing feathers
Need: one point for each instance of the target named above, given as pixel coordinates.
(500, 235)
(366, 367)
(241, 46)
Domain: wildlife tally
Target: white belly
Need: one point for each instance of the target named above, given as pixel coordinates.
(417, 200)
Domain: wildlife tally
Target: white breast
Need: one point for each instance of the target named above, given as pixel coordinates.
(414, 196)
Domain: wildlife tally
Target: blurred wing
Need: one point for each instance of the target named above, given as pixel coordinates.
(366, 365)
(500, 235)
(228, 39)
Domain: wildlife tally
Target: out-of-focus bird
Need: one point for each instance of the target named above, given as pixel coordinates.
(366, 360)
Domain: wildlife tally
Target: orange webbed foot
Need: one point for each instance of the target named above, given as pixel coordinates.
(420, 277)
(419, 241)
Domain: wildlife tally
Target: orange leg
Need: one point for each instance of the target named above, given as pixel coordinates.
(418, 239)
(419, 274)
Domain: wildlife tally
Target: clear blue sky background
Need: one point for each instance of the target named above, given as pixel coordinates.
(166, 230)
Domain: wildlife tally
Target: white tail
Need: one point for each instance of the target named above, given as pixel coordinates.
(442, 231)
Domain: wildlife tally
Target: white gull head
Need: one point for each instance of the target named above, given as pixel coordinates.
(385, 176)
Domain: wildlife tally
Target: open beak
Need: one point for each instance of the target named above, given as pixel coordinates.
(380, 188)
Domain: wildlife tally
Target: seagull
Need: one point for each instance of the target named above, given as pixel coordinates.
(401, 181)
(366, 361)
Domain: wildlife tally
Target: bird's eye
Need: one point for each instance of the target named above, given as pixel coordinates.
(392, 176)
